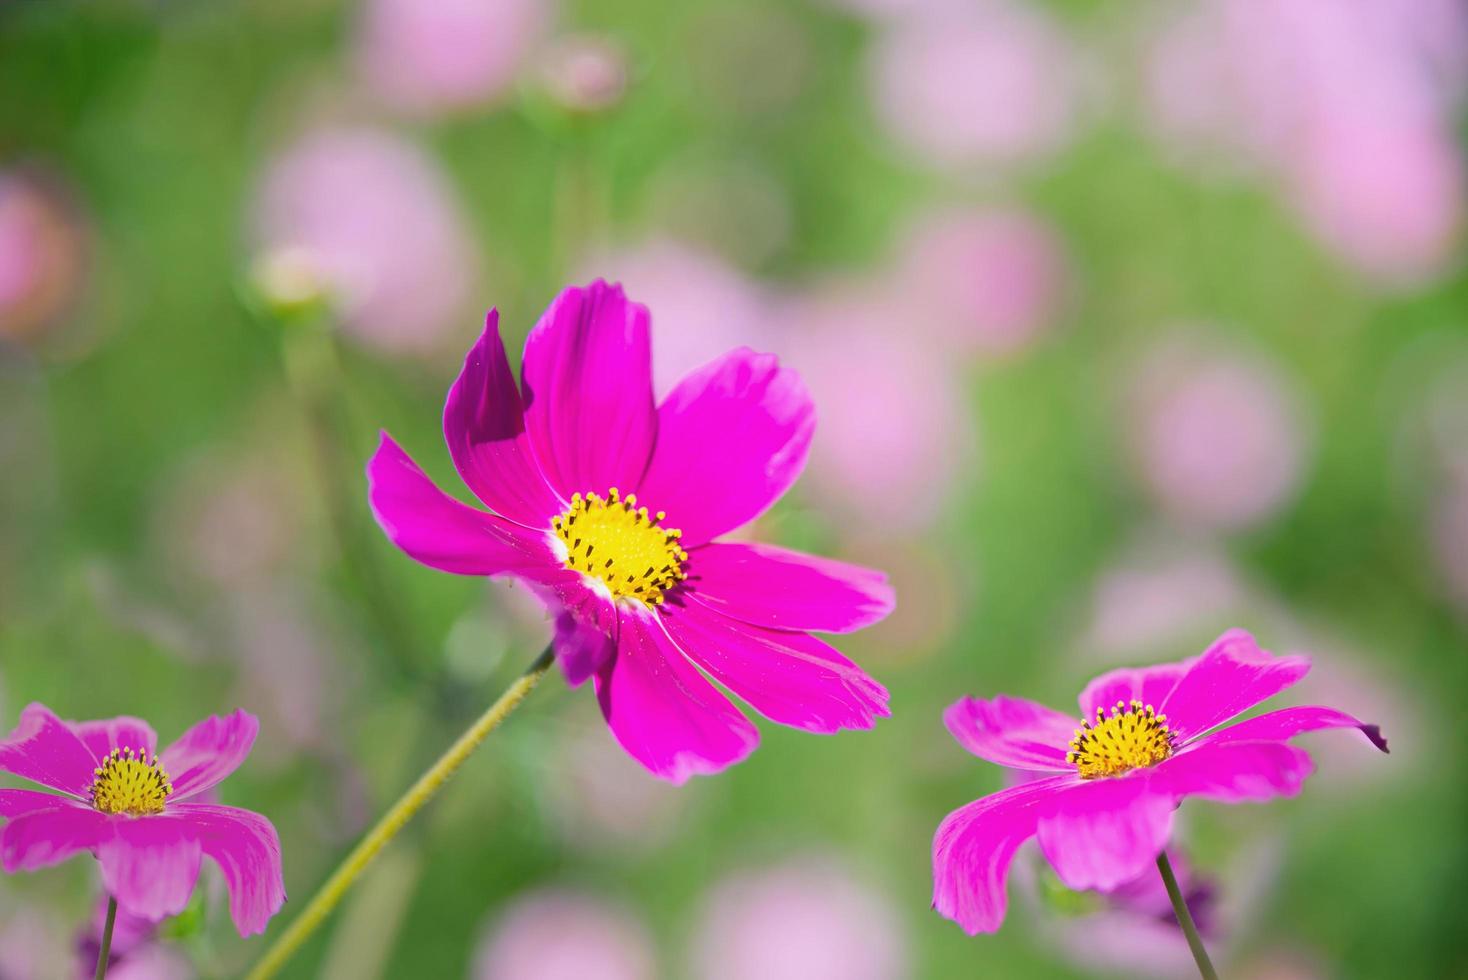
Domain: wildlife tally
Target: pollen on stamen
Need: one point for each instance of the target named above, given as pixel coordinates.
(624, 538)
(1133, 736)
(128, 782)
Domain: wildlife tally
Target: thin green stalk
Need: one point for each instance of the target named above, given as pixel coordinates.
(105, 952)
(341, 880)
(1185, 919)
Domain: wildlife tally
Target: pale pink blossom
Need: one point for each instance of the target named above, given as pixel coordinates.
(558, 934)
(42, 254)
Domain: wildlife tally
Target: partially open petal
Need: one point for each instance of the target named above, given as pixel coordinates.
(1012, 732)
(732, 437)
(101, 737)
(149, 865)
(788, 590)
(661, 709)
(974, 847)
(792, 678)
(44, 837)
(1103, 832)
(437, 530)
(1149, 685)
(1234, 772)
(585, 630)
(247, 850)
(1286, 723)
(484, 424)
(14, 802)
(588, 391)
(1231, 676)
(46, 750)
(208, 752)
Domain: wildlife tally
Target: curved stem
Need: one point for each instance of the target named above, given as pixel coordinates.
(1185, 919)
(428, 784)
(104, 953)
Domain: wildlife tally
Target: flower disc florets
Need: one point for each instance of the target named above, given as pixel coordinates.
(613, 540)
(1131, 737)
(128, 783)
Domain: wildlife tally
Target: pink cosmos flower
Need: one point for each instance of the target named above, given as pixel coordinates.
(136, 952)
(609, 506)
(1103, 808)
(134, 808)
(559, 934)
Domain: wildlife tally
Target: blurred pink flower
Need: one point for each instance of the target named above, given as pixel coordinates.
(374, 217)
(987, 281)
(136, 952)
(988, 83)
(701, 305)
(556, 934)
(583, 72)
(603, 801)
(42, 254)
(1218, 437)
(895, 433)
(806, 919)
(433, 56)
(30, 945)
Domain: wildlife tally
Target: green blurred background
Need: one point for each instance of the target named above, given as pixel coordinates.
(1117, 342)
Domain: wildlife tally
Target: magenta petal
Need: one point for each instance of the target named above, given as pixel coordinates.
(1286, 723)
(150, 865)
(585, 632)
(14, 802)
(588, 391)
(732, 437)
(791, 678)
(45, 837)
(1231, 676)
(787, 590)
(1149, 685)
(661, 709)
(46, 750)
(101, 737)
(437, 530)
(1105, 832)
(973, 848)
(1234, 772)
(247, 850)
(208, 752)
(1012, 732)
(485, 427)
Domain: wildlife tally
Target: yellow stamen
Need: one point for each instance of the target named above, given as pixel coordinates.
(613, 540)
(1133, 736)
(128, 783)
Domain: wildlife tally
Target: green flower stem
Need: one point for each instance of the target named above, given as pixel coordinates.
(427, 786)
(1185, 919)
(105, 952)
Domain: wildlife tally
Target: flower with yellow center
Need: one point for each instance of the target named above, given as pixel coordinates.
(128, 783)
(621, 545)
(1131, 737)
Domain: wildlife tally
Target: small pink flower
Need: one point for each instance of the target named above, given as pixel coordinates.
(133, 807)
(1103, 804)
(609, 504)
(556, 934)
(43, 256)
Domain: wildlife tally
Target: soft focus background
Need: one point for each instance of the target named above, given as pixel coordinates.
(1127, 322)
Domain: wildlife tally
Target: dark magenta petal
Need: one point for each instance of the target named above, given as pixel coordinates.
(1149, 685)
(485, 427)
(438, 531)
(732, 438)
(1234, 772)
(205, 754)
(791, 678)
(1286, 723)
(587, 377)
(101, 737)
(974, 847)
(44, 837)
(150, 865)
(1104, 832)
(46, 750)
(788, 590)
(1012, 732)
(245, 846)
(1231, 676)
(586, 631)
(661, 709)
(14, 802)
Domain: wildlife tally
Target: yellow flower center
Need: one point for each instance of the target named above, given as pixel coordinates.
(613, 540)
(128, 783)
(1132, 736)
